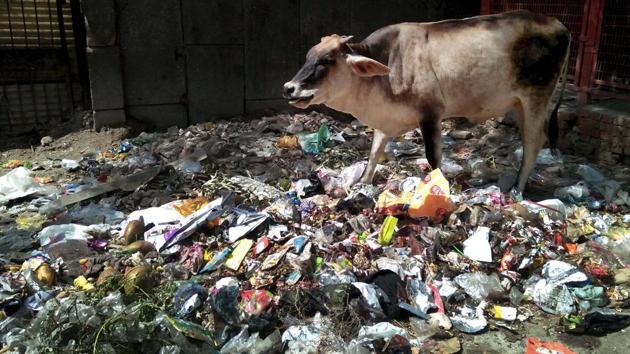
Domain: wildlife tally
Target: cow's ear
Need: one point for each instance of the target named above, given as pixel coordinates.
(364, 66)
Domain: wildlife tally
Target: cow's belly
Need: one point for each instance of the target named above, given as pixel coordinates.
(393, 120)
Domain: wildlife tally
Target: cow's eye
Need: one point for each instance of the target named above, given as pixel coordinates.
(326, 61)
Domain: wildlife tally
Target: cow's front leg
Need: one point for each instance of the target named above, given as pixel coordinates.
(378, 148)
(432, 136)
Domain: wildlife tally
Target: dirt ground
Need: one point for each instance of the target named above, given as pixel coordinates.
(75, 142)
(543, 326)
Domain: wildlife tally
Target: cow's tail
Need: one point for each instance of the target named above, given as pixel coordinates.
(552, 126)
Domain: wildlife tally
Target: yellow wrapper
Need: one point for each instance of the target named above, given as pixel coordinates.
(83, 284)
(190, 206)
(387, 231)
(238, 254)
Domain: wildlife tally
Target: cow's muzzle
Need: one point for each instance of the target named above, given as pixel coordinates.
(295, 94)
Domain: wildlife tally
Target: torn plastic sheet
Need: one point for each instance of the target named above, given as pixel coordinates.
(553, 297)
(421, 295)
(303, 339)
(190, 224)
(18, 184)
(370, 295)
(470, 319)
(381, 330)
(477, 246)
(563, 273)
(188, 298)
(446, 287)
(255, 302)
(245, 223)
(165, 214)
(479, 286)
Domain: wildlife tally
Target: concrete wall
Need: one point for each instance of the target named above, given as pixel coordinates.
(177, 62)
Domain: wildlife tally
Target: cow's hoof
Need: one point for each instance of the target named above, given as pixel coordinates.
(507, 182)
(364, 181)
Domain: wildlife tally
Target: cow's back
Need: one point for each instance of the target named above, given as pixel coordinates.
(481, 61)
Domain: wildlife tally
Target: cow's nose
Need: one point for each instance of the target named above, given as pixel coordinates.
(289, 88)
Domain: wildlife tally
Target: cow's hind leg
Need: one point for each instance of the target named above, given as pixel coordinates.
(432, 136)
(532, 115)
(378, 148)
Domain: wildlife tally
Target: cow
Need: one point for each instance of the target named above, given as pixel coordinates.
(411, 75)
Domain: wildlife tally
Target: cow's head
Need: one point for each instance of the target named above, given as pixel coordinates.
(330, 68)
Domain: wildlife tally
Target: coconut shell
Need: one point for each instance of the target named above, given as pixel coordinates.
(141, 246)
(134, 231)
(45, 274)
(138, 277)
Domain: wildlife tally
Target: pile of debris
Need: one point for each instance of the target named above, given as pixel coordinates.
(255, 237)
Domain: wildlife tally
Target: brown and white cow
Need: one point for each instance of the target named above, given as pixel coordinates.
(413, 75)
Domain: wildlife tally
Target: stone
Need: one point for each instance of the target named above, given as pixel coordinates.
(461, 134)
(47, 140)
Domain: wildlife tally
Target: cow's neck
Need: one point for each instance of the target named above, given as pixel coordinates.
(359, 98)
(368, 101)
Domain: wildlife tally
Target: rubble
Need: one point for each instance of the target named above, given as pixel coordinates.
(254, 236)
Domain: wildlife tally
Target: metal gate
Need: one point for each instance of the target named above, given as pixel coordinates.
(42, 64)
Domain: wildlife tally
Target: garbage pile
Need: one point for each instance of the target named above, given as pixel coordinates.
(253, 237)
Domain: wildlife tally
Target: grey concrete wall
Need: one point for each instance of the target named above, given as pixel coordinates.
(177, 62)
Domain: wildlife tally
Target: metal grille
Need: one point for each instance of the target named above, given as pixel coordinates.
(39, 70)
(613, 61)
(569, 12)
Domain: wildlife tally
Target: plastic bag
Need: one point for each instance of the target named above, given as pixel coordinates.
(96, 214)
(545, 157)
(188, 298)
(477, 247)
(303, 339)
(313, 143)
(381, 330)
(429, 197)
(576, 193)
(256, 301)
(553, 298)
(18, 184)
(536, 346)
(369, 292)
(470, 319)
(479, 286)
(607, 188)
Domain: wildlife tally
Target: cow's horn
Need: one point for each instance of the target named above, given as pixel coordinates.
(345, 39)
